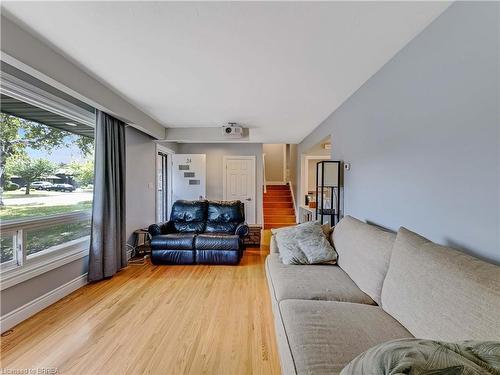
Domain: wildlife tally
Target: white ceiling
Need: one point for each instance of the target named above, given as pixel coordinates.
(279, 68)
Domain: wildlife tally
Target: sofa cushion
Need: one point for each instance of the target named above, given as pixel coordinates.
(324, 336)
(224, 216)
(174, 241)
(172, 256)
(314, 282)
(217, 241)
(189, 216)
(364, 252)
(218, 256)
(440, 293)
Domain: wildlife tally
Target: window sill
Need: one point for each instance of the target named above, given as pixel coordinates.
(74, 250)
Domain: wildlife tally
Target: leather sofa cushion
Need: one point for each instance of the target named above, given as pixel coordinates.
(364, 252)
(216, 241)
(189, 216)
(439, 293)
(224, 216)
(192, 227)
(324, 336)
(229, 228)
(173, 257)
(313, 282)
(217, 257)
(174, 241)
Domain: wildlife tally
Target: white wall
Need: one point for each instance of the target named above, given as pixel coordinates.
(215, 153)
(311, 174)
(423, 135)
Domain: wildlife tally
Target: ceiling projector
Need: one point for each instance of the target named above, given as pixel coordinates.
(232, 130)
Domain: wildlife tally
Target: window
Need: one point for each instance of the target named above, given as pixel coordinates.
(46, 175)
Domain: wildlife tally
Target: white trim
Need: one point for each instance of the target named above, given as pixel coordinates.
(77, 250)
(293, 200)
(22, 313)
(285, 178)
(169, 152)
(253, 158)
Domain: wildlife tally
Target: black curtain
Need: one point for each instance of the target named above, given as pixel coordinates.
(107, 241)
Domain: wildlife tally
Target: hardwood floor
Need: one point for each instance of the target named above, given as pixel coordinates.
(156, 320)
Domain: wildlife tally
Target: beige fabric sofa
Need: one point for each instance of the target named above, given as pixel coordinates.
(385, 287)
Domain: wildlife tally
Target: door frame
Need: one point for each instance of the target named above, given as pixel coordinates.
(169, 152)
(304, 173)
(253, 158)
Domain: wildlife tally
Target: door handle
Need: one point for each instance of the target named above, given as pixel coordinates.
(248, 199)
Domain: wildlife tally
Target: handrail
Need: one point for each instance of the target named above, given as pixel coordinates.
(264, 171)
(9, 225)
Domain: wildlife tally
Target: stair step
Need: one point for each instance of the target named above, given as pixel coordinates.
(279, 194)
(278, 205)
(279, 219)
(269, 211)
(277, 187)
(277, 225)
(278, 199)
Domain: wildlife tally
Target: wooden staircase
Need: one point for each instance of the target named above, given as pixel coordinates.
(278, 207)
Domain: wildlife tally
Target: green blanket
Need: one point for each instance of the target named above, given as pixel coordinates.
(426, 357)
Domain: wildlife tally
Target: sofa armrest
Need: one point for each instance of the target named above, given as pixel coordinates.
(161, 228)
(242, 230)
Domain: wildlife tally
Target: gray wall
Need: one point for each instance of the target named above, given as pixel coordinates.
(22, 293)
(422, 135)
(141, 175)
(215, 153)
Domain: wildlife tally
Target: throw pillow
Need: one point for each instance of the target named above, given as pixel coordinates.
(304, 244)
(288, 246)
(418, 356)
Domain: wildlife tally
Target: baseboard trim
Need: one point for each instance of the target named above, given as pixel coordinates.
(22, 313)
(293, 199)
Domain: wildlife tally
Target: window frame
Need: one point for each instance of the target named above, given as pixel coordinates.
(22, 268)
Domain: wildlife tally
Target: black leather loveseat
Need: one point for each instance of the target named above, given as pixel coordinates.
(203, 232)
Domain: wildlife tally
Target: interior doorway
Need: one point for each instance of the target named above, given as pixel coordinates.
(163, 183)
(319, 152)
(239, 183)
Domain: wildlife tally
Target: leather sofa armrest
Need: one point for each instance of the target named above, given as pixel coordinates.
(161, 228)
(242, 230)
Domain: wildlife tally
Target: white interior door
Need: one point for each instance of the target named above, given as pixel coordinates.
(239, 183)
(189, 176)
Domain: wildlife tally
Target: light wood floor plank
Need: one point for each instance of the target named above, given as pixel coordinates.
(156, 320)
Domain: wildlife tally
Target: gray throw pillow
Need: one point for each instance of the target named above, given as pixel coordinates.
(419, 356)
(304, 244)
(288, 246)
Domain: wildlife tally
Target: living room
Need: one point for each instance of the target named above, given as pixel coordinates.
(250, 187)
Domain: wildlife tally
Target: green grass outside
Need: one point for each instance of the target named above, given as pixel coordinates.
(29, 211)
(33, 194)
(43, 238)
